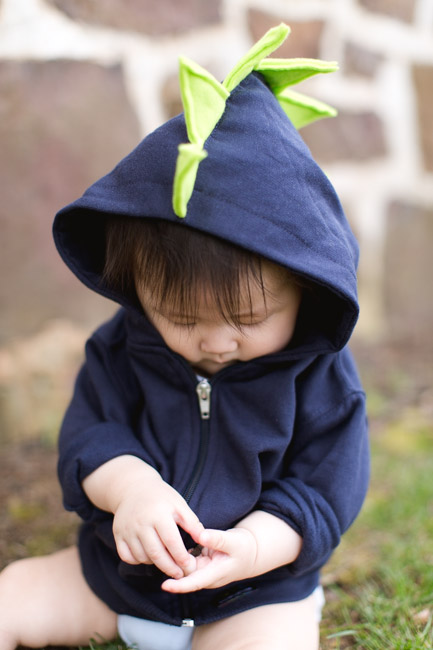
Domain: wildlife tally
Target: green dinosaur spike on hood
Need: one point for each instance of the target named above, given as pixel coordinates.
(203, 98)
(303, 110)
(204, 101)
(188, 160)
(267, 44)
(280, 73)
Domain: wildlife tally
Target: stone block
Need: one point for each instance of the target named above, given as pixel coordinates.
(409, 271)
(349, 136)
(303, 41)
(400, 9)
(423, 81)
(63, 124)
(360, 61)
(170, 96)
(154, 18)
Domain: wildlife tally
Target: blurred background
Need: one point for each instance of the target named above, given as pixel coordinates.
(82, 81)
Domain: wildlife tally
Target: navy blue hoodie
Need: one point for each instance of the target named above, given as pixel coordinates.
(287, 432)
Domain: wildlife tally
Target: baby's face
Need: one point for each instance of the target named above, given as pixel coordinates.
(209, 343)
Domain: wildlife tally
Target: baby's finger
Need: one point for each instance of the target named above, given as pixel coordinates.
(188, 520)
(158, 554)
(137, 551)
(172, 541)
(208, 576)
(125, 553)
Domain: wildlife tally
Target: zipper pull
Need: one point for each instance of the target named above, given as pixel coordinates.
(203, 392)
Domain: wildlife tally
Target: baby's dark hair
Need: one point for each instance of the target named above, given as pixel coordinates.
(175, 263)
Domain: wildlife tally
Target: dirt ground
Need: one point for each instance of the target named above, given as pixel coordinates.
(32, 518)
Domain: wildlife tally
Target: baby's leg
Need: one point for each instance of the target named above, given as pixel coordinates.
(46, 601)
(285, 626)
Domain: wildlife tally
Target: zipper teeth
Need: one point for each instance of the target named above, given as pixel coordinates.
(198, 467)
(203, 390)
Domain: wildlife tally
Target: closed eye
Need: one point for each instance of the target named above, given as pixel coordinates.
(254, 323)
(189, 325)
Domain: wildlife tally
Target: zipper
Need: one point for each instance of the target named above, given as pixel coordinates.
(204, 391)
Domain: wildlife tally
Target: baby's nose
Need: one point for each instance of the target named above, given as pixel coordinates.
(219, 342)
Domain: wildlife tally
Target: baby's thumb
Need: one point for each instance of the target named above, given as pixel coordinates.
(216, 540)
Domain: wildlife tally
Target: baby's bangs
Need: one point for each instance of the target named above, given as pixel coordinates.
(180, 267)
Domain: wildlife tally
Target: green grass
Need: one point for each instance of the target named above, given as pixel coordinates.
(379, 583)
(94, 645)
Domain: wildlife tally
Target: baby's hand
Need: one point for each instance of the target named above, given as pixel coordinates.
(145, 527)
(226, 556)
(147, 512)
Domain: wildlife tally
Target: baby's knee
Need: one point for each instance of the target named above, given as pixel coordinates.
(13, 579)
(18, 589)
(12, 582)
(7, 640)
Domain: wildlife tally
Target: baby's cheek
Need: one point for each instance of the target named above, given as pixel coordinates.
(258, 347)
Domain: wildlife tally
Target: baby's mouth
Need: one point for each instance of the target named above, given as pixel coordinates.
(221, 361)
(213, 365)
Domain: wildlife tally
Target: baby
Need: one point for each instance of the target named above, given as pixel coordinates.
(216, 443)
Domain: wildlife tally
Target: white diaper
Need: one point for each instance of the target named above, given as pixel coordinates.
(141, 634)
(319, 596)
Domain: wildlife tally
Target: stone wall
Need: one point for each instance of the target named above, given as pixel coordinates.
(81, 81)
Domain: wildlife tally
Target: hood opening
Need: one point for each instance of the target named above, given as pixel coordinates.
(258, 187)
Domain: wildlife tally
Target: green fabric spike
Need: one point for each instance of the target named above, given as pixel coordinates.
(203, 98)
(267, 44)
(280, 73)
(204, 101)
(303, 110)
(189, 157)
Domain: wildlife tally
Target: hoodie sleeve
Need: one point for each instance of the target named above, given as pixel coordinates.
(98, 423)
(327, 469)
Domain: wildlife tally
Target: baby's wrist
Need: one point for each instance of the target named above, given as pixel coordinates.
(110, 483)
(277, 543)
(134, 477)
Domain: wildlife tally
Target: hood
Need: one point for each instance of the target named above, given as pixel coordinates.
(258, 187)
